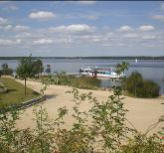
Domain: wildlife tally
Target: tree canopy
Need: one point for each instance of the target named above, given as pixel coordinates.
(28, 68)
(6, 70)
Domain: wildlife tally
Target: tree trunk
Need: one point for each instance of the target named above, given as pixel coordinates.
(25, 86)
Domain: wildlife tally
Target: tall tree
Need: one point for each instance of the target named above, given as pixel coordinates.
(25, 69)
(38, 67)
(6, 70)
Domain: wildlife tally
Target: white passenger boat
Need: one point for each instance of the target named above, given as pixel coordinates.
(100, 72)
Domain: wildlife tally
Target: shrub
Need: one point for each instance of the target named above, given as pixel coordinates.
(71, 80)
(143, 144)
(133, 83)
(86, 82)
(6, 70)
(150, 89)
(136, 86)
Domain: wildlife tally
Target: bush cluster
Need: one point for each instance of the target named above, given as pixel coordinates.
(5, 70)
(136, 86)
(71, 80)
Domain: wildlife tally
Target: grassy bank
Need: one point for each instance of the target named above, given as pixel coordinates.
(82, 82)
(15, 93)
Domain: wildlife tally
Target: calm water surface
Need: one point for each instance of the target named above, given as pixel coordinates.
(153, 70)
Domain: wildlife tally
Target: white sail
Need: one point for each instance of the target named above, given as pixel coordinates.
(136, 60)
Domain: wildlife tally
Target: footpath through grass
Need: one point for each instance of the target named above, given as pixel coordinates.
(15, 93)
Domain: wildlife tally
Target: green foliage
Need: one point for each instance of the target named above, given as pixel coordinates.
(13, 140)
(25, 68)
(149, 89)
(70, 80)
(43, 133)
(136, 86)
(143, 144)
(120, 68)
(133, 83)
(28, 68)
(38, 67)
(6, 70)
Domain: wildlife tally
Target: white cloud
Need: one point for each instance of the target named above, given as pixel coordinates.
(3, 21)
(65, 40)
(158, 17)
(43, 41)
(72, 28)
(21, 28)
(146, 28)
(13, 7)
(78, 28)
(130, 35)
(86, 2)
(8, 42)
(42, 15)
(162, 6)
(148, 37)
(125, 28)
(89, 16)
(23, 35)
(91, 38)
(18, 41)
(10, 8)
(79, 35)
(8, 27)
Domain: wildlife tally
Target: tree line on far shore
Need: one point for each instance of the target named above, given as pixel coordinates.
(90, 57)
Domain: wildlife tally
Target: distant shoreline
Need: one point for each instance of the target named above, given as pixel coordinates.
(88, 57)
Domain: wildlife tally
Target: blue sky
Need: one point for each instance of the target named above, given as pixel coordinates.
(83, 28)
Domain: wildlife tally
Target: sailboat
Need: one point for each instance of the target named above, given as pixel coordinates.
(136, 60)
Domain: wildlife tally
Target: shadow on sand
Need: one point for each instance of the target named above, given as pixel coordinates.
(50, 96)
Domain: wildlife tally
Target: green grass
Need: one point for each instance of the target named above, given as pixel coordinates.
(15, 93)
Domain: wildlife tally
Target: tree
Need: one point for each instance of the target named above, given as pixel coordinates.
(6, 70)
(136, 86)
(134, 83)
(4, 66)
(120, 68)
(25, 69)
(38, 67)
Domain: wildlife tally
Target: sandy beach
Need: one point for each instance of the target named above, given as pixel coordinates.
(142, 112)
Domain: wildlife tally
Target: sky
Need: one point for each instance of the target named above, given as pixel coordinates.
(82, 28)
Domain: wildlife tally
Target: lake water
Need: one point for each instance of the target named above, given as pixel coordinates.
(150, 69)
